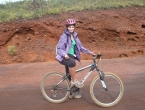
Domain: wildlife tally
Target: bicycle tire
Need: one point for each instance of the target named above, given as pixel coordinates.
(49, 81)
(111, 81)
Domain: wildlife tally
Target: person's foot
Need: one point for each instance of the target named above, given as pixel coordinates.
(77, 96)
(78, 84)
(70, 96)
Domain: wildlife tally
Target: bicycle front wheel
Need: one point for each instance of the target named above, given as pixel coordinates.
(110, 97)
(54, 88)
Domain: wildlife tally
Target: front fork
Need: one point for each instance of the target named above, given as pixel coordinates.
(102, 77)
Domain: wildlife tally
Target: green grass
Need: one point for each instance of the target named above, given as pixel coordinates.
(28, 9)
(12, 50)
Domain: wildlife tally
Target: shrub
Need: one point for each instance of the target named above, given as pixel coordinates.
(3, 16)
(12, 50)
(28, 9)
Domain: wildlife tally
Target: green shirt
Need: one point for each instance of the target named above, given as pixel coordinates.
(72, 47)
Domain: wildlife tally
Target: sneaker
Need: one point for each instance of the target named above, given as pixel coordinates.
(70, 96)
(78, 84)
(77, 96)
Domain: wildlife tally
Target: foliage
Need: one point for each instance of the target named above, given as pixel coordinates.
(12, 50)
(29, 9)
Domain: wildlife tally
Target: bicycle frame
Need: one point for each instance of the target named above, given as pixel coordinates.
(56, 87)
(92, 66)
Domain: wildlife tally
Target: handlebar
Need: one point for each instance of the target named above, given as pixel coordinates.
(97, 56)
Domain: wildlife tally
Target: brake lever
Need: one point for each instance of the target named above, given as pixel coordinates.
(99, 56)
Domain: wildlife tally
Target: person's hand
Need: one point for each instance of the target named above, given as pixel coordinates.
(99, 53)
(92, 53)
(66, 56)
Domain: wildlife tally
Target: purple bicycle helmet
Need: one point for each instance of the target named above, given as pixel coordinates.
(70, 22)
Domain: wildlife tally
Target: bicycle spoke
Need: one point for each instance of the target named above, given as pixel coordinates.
(55, 89)
(103, 97)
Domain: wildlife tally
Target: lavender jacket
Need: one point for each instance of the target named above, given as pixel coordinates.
(64, 46)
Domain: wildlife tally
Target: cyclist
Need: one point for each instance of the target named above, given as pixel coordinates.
(68, 50)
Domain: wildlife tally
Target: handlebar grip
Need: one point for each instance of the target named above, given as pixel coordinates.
(97, 56)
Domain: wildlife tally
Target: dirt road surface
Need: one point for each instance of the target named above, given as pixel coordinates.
(20, 85)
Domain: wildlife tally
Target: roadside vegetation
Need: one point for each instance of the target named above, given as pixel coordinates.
(12, 50)
(30, 9)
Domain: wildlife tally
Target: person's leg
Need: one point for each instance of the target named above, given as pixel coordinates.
(67, 72)
(74, 81)
(71, 63)
(70, 69)
(72, 73)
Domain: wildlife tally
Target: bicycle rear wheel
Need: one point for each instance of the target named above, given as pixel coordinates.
(50, 90)
(103, 97)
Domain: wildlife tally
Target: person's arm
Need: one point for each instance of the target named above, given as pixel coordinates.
(62, 45)
(83, 49)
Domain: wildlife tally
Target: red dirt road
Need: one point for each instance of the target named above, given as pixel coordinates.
(20, 86)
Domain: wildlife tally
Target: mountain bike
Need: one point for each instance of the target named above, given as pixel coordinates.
(106, 88)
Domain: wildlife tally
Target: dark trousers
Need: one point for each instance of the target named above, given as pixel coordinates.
(68, 63)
